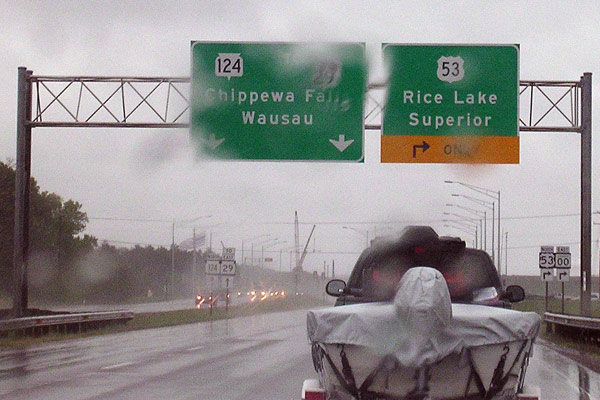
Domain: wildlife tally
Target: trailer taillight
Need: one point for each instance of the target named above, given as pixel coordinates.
(310, 395)
(312, 390)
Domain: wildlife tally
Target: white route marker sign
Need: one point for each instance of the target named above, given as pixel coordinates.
(563, 275)
(546, 257)
(547, 274)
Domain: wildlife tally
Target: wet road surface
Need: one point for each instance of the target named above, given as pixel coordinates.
(258, 357)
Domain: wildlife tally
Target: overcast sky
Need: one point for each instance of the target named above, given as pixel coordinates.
(154, 174)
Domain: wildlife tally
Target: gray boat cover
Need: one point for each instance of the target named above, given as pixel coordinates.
(421, 326)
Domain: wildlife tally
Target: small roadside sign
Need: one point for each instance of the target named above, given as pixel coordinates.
(228, 282)
(562, 257)
(546, 257)
(228, 253)
(563, 275)
(213, 267)
(227, 267)
(547, 274)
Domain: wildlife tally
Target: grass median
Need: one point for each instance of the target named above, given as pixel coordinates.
(584, 351)
(178, 317)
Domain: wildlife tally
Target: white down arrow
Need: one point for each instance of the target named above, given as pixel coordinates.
(341, 144)
(213, 142)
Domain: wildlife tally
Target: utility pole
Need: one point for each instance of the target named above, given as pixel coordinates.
(172, 260)
(194, 262)
(506, 254)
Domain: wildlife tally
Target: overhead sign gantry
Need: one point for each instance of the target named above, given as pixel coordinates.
(120, 102)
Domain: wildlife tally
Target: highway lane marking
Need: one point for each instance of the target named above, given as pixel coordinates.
(115, 366)
(196, 348)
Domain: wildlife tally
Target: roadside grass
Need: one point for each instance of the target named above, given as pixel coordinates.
(172, 318)
(571, 307)
(538, 305)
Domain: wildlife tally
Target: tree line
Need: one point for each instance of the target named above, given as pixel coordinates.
(67, 265)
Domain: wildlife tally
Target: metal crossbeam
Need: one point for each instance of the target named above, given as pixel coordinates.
(556, 110)
(162, 102)
(544, 106)
(118, 102)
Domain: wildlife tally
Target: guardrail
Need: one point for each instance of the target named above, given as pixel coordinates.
(63, 323)
(586, 328)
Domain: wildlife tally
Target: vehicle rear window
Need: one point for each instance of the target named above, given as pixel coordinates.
(464, 272)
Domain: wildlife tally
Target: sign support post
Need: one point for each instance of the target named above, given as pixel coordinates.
(547, 261)
(586, 195)
(22, 192)
(546, 296)
(562, 307)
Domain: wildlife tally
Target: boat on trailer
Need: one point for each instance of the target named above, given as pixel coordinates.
(420, 346)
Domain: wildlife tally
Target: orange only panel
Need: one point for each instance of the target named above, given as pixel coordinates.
(450, 149)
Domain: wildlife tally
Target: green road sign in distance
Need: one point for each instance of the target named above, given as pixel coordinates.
(452, 90)
(279, 101)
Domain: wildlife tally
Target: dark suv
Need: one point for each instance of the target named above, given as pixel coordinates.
(469, 273)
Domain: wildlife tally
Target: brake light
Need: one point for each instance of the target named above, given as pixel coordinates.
(419, 249)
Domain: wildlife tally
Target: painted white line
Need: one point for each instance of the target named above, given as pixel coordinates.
(196, 348)
(109, 367)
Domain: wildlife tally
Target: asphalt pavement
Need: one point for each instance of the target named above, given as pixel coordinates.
(259, 357)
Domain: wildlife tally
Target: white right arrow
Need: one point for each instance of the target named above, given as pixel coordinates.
(341, 144)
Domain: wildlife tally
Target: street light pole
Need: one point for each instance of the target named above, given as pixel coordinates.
(482, 226)
(172, 294)
(487, 192)
(465, 219)
(490, 205)
(465, 230)
(506, 255)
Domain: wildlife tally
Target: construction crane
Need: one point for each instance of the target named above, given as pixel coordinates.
(300, 258)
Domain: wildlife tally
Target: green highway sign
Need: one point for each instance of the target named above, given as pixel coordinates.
(279, 101)
(451, 104)
(452, 90)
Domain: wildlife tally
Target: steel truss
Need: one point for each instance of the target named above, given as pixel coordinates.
(163, 102)
(140, 102)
